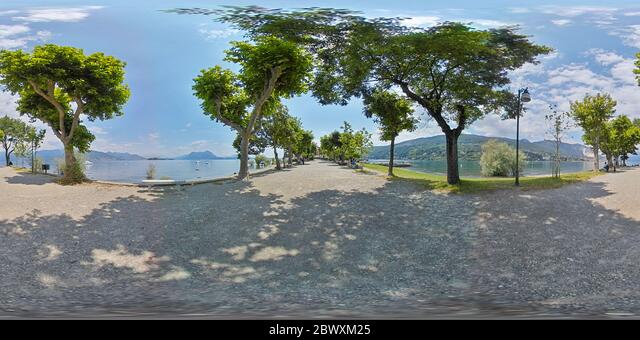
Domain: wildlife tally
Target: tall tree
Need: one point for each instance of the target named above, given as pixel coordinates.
(14, 134)
(559, 124)
(34, 141)
(592, 114)
(270, 69)
(624, 137)
(58, 85)
(394, 115)
(456, 73)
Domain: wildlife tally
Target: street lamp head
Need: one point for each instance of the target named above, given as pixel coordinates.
(525, 97)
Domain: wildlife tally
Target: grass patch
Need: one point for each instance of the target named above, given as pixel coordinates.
(472, 185)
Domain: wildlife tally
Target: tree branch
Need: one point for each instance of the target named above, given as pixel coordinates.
(224, 120)
(267, 91)
(50, 97)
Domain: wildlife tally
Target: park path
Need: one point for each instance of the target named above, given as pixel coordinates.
(318, 240)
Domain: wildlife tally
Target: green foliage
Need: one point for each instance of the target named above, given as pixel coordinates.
(456, 73)
(591, 114)
(621, 137)
(348, 145)
(499, 159)
(58, 84)
(15, 135)
(392, 112)
(262, 159)
(271, 69)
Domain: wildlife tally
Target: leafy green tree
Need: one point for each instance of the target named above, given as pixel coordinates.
(622, 139)
(279, 128)
(34, 140)
(270, 69)
(394, 115)
(592, 114)
(304, 147)
(499, 159)
(57, 85)
(354, 145)
(14, 134)
(456, 73)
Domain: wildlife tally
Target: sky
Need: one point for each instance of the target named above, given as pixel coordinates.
(594, 47)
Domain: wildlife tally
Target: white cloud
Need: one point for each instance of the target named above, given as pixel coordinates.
(482, 23)
(16, 36)
(211, 34)
(519, 10)
(630, 35)
(561, 22)
(574, 11)
(73, 14)
(422, 21)
(11, 30)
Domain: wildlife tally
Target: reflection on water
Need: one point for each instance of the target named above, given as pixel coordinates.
(135, 171)
(472, 168)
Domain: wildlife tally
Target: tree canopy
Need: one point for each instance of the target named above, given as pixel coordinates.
(271, 69)
(59, 84)
(456, 73)
(592, 114)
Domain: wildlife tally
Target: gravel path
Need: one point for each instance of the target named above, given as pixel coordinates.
(318, 240)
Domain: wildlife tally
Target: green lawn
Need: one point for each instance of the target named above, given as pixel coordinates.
(470, 185)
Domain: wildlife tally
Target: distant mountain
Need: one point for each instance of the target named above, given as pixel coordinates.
(49, 156)
(204, 155)
(470, 148)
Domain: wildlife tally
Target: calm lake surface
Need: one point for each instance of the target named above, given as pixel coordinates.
(136, 171)
(472, 168)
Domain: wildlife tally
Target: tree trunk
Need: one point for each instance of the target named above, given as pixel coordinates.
(596, 155)
(609, 161)
(70, 166)
(33, 159)
(244, 157)
(290, 160)
(391, 149)
(7, 157)
(275, 154)
(453, 173)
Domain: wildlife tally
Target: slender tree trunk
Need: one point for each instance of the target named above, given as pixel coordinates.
(244, 156)
(596, 155)
(7, 157)
(33, 159)
(290, 161)
(275, 154)
(453, 173)
(391, 149)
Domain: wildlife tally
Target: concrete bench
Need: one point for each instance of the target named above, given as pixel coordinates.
(162, 182)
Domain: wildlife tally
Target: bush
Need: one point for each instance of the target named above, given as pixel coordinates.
(151, 171)
(262, 159)
(499, 159)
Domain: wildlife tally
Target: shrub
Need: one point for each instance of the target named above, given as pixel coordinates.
(499, 159)
(262, 159)
(151, 171)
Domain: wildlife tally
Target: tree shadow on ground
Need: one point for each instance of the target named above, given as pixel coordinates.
(233, 250)
(27, 178)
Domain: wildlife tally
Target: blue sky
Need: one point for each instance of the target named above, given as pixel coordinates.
(594, 48)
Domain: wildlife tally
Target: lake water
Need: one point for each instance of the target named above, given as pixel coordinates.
(135, 171)
(472, 168)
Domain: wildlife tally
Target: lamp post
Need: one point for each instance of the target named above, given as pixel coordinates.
(523, 97)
